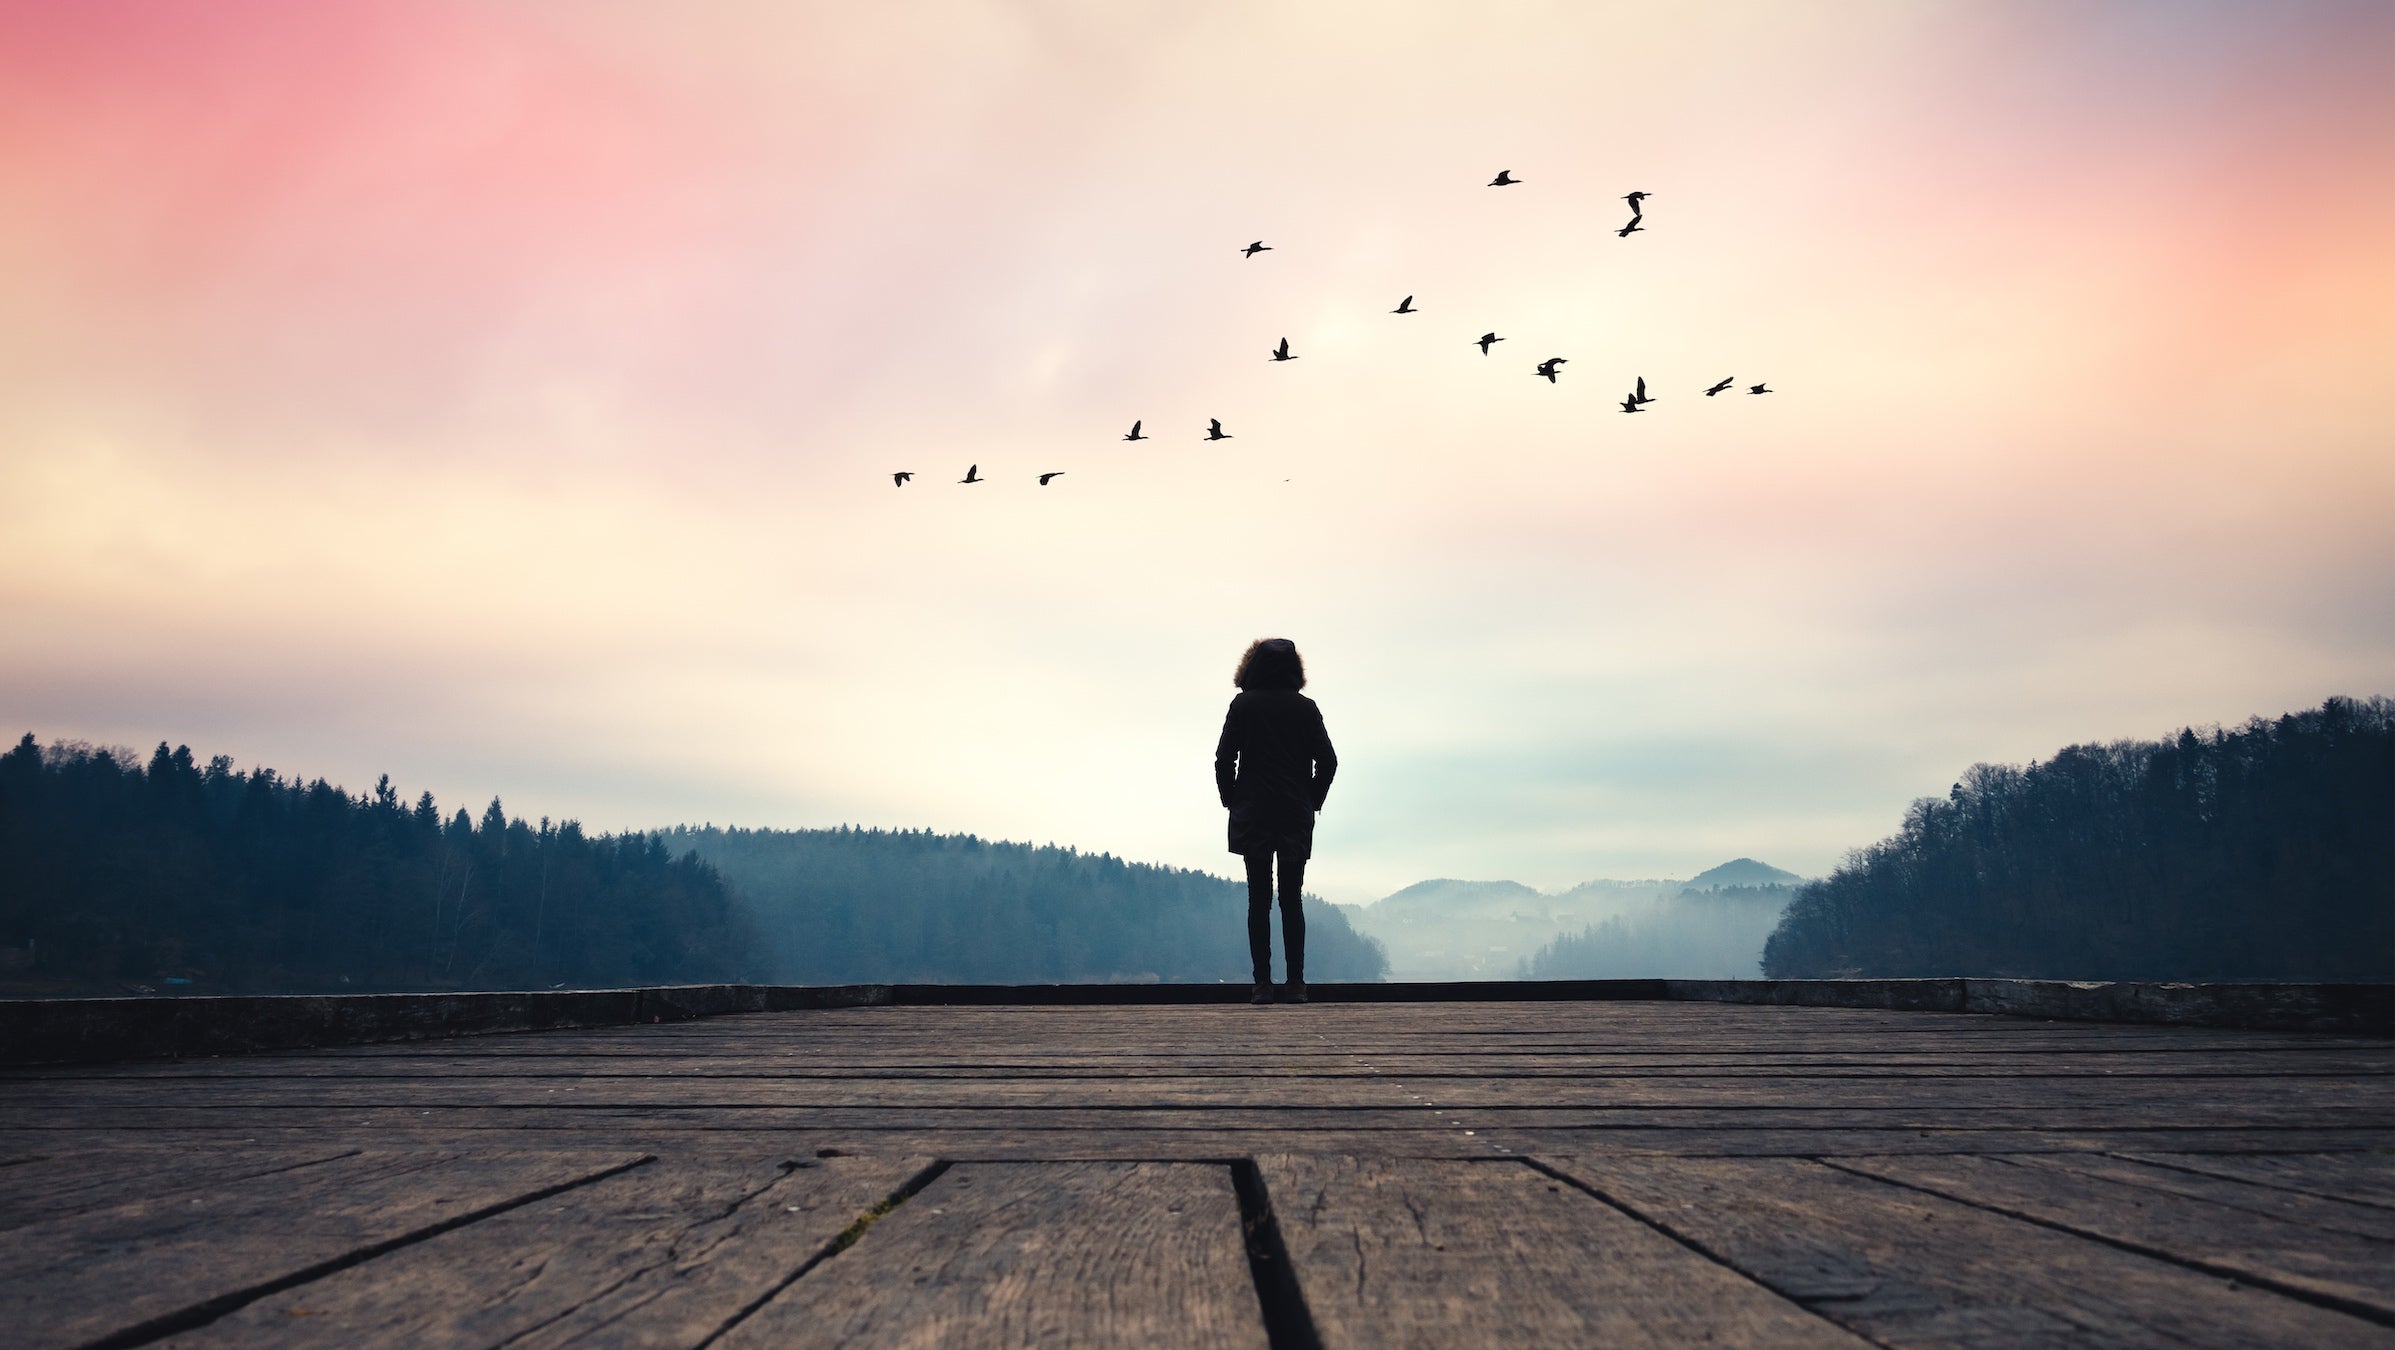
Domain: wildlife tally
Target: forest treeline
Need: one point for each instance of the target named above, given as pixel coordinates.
(2262, 853)
(175, 876)
(857, 905)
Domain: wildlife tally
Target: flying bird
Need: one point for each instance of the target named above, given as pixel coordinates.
(973, 475)
(1633, 227)
(1641, 395)
(1547, 367)
(1631, 405)
(1405, 306)
(1726, 383)
(900, 478)
(1759, 389)
(1484, 341)
(1043, 478)
(1255, 248)
(1281, 353)
(1214, 431)
(1634, 199)
(1135, 436)
(1504, 178)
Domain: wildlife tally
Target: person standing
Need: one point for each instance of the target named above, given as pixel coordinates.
(1272, 769)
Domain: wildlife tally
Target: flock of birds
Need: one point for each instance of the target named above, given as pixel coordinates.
(1635, 401)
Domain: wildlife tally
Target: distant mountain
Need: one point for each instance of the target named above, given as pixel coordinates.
(1742, 872)
(1449, 897)
(1445, 929)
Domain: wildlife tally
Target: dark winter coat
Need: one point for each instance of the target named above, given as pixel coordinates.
(1273, 768)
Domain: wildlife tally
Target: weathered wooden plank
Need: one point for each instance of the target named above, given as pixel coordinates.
(2204, 1101)
(662, 1255)
(2344, 1270)
(1413, 1253)
(154, 1262)
(1226, 1141)
(1051, 1254)
(86, 1179)
(2357, 1177)
(1097, 1060)
(1910, 1269)
(2318, 1129)
(1194, 1031)
(2376, 1222)
(885, 1132)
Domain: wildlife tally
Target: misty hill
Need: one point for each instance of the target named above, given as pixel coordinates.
(1488, 930)
(1742, 872)
(119, 877)
(2264, 853)
(1448, 898)
(868, 906)
(1695, 933)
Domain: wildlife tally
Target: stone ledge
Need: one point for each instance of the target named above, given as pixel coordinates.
(101, 1030)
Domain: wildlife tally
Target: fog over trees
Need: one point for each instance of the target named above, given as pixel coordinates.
(2262, 853)
(1710, 926)
(856, 905)
(2266, 852)
(172, 876)
(1695, 933)
(119, 877)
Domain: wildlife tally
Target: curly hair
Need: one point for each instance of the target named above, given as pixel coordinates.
(1270, 663)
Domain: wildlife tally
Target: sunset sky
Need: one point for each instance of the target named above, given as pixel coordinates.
(504, 396)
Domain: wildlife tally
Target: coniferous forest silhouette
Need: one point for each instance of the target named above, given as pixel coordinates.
(173, 876)
(176, 876)
(2264, 852)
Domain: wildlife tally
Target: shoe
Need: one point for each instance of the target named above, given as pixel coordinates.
(1263, 995)
(1295, 992)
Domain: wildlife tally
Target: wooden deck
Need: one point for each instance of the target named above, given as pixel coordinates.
(1366, 1175)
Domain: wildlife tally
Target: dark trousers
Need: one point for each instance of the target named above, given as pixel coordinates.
(1293, 915)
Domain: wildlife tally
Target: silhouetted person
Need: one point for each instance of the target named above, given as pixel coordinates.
(1405, 306)
(1272, 768)
(1214, 431)
(900, 477)
(1255, 248)
(1043, 478)
(1281, 353)
(1135, 436)
(1504, 178)
(1548, 366)
(1484, 340)
(1726, 383)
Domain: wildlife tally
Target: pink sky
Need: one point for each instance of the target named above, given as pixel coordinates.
(502, 396)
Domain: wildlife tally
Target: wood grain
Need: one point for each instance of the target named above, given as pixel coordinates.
(2365, 1178)
(72, 1279)
(161, 1188)
(1055, 1254)
(1414, 1253)
(2344, 1269)
(1906, 1268)
(85, 1179)
(663, 1255)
